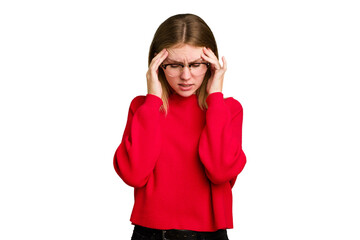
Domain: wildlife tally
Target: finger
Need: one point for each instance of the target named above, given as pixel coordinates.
(209, 56)
(164, 55)
(211, 51)
(160, 61)
(158, 55)
(159, 58)
(214, 62)
(208, 52)
(224, 63)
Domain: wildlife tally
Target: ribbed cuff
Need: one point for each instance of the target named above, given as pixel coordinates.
(216, 98)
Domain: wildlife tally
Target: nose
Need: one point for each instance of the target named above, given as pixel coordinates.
(186, 74)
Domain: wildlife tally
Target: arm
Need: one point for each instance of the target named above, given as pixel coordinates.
(220, 146)
(135, 158)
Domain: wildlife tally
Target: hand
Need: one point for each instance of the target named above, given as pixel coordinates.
(153, 83)
(216, 80)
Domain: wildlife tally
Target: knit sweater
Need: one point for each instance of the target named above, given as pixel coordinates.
(182, 165)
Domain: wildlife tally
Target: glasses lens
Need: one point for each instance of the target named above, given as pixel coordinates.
(198, 68)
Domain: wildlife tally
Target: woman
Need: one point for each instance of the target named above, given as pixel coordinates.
(182, 145)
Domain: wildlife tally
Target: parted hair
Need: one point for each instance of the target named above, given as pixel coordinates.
(175, 31)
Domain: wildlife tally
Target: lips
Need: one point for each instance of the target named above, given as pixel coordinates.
(185, 87)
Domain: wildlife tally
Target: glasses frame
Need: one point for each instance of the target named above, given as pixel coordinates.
(185, 65)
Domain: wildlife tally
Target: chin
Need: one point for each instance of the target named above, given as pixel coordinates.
(185, 93)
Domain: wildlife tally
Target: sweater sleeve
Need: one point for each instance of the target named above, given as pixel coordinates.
(135, 158)
(220, 146)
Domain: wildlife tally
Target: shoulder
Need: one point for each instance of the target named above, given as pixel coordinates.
(234, 105)
(137, 102)
(150, 100)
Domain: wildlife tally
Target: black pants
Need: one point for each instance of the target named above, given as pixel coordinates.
(143, 233)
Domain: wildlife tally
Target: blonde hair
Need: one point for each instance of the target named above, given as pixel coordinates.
(182, 29)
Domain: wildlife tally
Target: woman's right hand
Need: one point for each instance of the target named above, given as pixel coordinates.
(153, 83)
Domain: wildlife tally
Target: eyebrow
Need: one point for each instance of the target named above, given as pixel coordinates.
(178, 62)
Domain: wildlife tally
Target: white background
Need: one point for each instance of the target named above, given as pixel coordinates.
(69, 70)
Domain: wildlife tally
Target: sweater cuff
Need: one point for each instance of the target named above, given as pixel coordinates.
(215, 98)
(153, 100)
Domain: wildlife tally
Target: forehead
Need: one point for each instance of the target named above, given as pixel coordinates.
(184, 53)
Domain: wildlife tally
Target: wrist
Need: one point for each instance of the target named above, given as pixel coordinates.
(154, 93)
(214, 91)
(210, 92)
(215, 98)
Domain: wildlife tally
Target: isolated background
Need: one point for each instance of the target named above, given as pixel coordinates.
(69, 70)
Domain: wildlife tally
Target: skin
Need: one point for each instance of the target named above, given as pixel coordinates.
(186, 54)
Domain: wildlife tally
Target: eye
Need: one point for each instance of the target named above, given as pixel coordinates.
(195, 65)
(175, 65)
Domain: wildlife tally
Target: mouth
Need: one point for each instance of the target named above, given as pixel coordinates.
(185, 87)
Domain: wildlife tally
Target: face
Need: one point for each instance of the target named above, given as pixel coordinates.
(187, 82)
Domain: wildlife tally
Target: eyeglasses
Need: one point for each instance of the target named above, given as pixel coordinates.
(175, 69)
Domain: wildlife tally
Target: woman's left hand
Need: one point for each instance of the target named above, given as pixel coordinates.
(216, 80)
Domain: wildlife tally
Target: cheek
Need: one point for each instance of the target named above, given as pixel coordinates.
(171, 80)
(199, 79)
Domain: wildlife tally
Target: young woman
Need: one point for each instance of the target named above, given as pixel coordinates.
(182, 145)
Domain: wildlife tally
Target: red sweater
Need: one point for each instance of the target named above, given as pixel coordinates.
(182, 166)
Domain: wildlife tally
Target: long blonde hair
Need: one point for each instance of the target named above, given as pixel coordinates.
(182, 29)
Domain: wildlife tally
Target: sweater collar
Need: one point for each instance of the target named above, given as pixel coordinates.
(178, 98)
